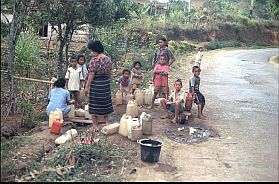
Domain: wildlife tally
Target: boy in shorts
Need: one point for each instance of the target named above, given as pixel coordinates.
(74, 80)
(175, 104)
(194, 84)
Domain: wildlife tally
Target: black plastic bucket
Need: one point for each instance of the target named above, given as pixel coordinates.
(150, 150)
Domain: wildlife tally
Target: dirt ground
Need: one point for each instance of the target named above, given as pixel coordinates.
(226, 156)
(245, 144)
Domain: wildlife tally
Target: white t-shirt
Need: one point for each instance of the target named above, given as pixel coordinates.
(199, 57)
(74, 76)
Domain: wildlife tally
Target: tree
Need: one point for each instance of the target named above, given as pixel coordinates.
(70, 15)
(19, 10)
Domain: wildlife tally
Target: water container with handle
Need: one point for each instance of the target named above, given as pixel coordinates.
(151, 88)
(148, 97)
(56, 126)
(118, 97)
(132, 109)
(59, 113)
(134, 129)
(139, 97)
(110, 129)
(80, 113)
(123, 127)
(72, 113)
(52, 117)
(129, 97)
(147, 124)
(66, 137)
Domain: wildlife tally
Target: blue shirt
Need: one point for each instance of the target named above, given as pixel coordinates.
(58, 98)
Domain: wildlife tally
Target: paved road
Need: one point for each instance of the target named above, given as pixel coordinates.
(241, 90)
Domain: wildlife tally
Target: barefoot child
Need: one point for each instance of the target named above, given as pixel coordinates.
(175, 104)
(82, 65)
(136, 76)
(194, 84)
(124, 82)
(199, 57)
(161, 71)
(74, 80)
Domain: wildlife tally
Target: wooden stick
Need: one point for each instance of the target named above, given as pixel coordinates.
(122, 169)
(34, 80)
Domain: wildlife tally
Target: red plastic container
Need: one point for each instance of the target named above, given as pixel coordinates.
(56, 126)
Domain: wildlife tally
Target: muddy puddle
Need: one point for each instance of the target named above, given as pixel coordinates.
(187, 134)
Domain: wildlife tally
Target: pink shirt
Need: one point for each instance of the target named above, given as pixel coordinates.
(161, 80)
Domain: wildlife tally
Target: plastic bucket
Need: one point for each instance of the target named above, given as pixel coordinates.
(150, 150)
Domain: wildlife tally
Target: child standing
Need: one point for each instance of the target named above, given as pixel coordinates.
(82, 65)
(59, 98)
(199, 57)
(161, 71)
(124, 82)
(74, 80)
(175, 104)
(136, 76)
(194, 84)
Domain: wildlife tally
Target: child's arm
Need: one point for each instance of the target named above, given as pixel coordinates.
(193, 90)
(67, 76)
(119, 83)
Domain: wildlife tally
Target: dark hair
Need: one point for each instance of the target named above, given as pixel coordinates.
(195, 67)
(126, 70)
(60, 83)
(136, 62)
(178, 80)
(80, 56)
(73, 57)
(95, 46)
(164, 40)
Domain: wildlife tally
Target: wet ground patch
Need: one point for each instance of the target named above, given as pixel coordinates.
(189, 134)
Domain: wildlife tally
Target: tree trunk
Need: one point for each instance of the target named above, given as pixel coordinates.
(15, 29)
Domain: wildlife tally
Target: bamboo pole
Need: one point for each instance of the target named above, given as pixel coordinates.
(34, 80)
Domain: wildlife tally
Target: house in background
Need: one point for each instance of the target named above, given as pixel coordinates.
(79, 38)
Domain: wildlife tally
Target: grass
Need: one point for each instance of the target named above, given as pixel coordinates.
(7, 152)
(101, 162)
